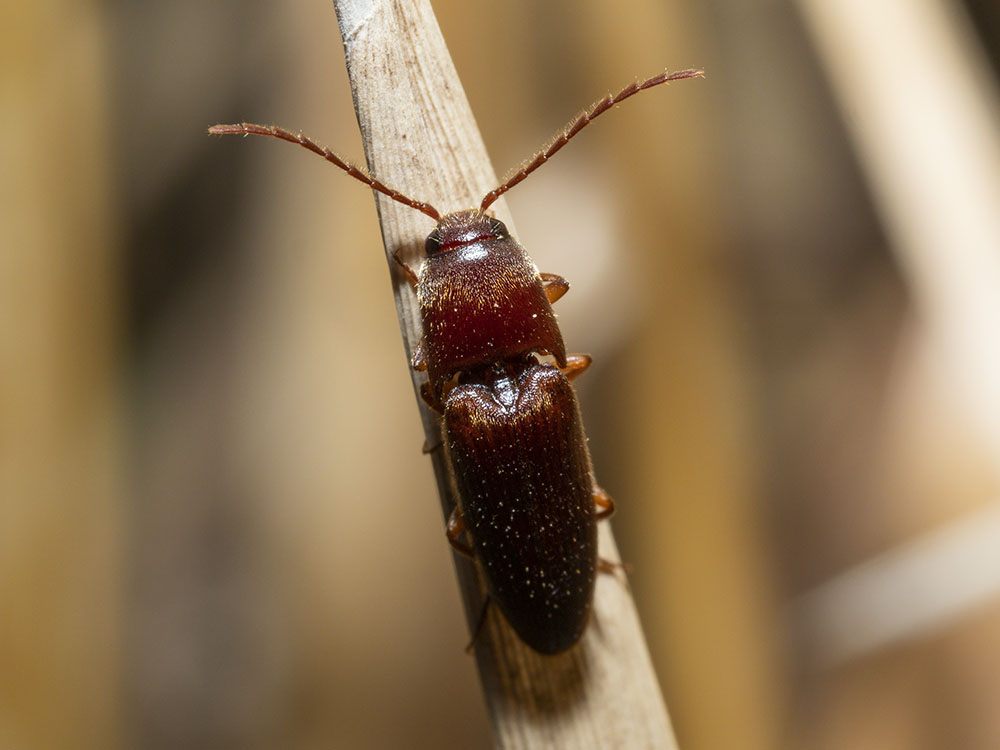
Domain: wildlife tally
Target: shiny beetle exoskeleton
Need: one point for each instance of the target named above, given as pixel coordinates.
(511, 427)
(481, 300)
(519, 459)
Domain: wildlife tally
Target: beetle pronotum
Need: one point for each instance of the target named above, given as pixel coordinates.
(511, 425)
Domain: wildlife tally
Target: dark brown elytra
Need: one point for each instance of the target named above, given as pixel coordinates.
(511, 426)
(520, 463)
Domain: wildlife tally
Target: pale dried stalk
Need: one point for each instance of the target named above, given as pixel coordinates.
(923, 113)
(420, 137)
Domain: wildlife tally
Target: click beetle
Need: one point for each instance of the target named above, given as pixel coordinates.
(511, 426)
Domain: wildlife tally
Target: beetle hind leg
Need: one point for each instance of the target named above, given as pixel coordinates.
(611, 567)
(411, 275)
(456, 525)
(603, 501)
(479, 625)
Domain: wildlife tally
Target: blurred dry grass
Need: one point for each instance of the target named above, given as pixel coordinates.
(216, 527)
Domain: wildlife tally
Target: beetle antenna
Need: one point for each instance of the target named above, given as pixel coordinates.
(588, 115)
(247, 128)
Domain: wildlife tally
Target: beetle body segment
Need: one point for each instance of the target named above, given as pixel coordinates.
(519, 460)
(481, 300)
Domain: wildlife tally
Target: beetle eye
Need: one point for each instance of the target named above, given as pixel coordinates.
(433, 243)
(498, 228)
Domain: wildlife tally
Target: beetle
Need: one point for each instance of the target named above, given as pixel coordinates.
(511, 427)
(519, 460)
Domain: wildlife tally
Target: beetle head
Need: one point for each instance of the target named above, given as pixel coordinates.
(463, 228)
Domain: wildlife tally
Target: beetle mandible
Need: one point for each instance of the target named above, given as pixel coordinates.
(511, 425)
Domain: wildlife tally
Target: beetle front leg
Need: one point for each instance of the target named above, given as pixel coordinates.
(419, 360)
(432, 401)
(411, 275)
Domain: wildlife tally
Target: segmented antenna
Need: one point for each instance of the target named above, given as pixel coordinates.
(581, 122)
(246, 128)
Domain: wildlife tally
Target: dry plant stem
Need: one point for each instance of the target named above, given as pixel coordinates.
(420, 137)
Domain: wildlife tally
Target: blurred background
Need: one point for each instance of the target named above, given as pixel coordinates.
(217, 529)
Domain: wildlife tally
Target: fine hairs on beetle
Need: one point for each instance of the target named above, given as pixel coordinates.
(510, 424)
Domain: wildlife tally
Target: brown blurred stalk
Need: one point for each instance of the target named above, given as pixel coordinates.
(60, 436)
(923, 111)
(921, 107)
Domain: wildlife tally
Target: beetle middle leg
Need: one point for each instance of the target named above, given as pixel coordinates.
(555, 286)
(456, 525)
(576, 364)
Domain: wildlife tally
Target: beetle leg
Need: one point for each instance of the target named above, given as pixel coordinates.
(609, 566)
(456, 525)
(555, 286)
(576, 364)
(603, 501)
(430, 399)
(411, 276)
(479, 625)
(419, 360)
(428, 448)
